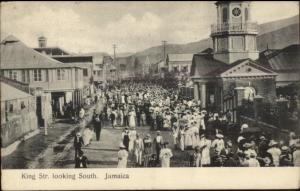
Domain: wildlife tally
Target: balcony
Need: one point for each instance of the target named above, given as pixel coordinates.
(234, 28)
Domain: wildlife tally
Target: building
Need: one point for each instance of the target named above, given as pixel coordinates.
(285, 62)
(50, 51)
(84, 62)
(180, 64)
(18, 114)
(53, 83)
(231, 73)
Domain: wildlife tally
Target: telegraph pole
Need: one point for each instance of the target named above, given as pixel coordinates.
(164, 43)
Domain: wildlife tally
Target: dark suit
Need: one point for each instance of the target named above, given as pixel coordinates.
(78, 142)
(97, 126)
(81, 162)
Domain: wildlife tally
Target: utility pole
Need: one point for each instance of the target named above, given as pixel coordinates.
(164, 52)
(164, 43)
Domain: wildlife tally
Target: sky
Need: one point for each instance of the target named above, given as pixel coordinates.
(82, 27)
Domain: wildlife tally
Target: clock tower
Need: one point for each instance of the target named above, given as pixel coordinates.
(234, 35)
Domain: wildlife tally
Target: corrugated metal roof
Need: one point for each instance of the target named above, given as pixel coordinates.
(16, 55)
(285, 59)
(10, 93)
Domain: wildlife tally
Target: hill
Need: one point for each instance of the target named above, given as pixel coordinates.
(275, 34)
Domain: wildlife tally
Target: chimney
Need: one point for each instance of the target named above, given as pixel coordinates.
(42, 42)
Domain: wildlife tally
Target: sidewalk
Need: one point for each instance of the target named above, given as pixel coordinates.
(28, 150)
(39, 151)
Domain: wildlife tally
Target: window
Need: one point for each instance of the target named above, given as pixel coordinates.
(94, 72)
(184, 69)
(37, 75)
(23, 76)
(15, 75)
(246, 14)
(175, 69)
(22, 105)
(11, 108)
(225, 15)
(85, 72)
(10, 74)
(61, 74)
(47, 75)
(99, 73)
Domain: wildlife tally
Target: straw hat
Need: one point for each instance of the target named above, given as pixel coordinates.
(262, 138)
(244, 126)
(272, 143)
(247, 145)
(284, 148)
(122, 145)
(219, 136)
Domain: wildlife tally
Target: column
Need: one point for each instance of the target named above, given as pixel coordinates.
(203, 95)
(196, 91)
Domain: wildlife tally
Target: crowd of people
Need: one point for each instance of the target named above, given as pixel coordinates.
(203, 136)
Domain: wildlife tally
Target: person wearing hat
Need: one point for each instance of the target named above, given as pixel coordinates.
(275, 152)
(122, 156)
(285, 158)
(252, 161)
(244, 126)
(218, 144)
(205, 145)
(78, 143)
(165, 155)
(196, 157)
(81, 161)
(249, 150)
(125, 138)
(138, 148)
(296, 155)
(158, 143)
(147, 142)
(262, 145)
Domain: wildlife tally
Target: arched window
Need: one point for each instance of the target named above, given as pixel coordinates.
(225, 15)
(246, 14)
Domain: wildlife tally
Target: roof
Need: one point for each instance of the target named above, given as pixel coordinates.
(180, 57)
(11, 93)
(74, 59)
(285, 59)
(204, 65)
(52, 51)
(16, 55)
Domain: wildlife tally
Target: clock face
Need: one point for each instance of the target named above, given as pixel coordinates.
(236, 11)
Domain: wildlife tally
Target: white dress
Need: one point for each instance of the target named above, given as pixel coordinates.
(132, 138)
(165, 155)
(132, 119)
(205, 144)
(122, 158)
(87, 136)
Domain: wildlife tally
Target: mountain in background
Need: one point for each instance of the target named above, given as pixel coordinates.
(275, 35)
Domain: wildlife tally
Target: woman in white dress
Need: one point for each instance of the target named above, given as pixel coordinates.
(132, 138)
(165, 156)
(122, 156)
(87, 136)
(181, 138)
(205, 145)
(138, 149)
(132, 116)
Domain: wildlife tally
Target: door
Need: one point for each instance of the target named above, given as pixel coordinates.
(39, 111)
